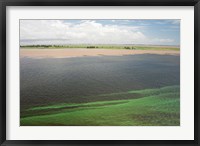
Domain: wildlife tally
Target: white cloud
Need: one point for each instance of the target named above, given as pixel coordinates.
(85, 32)
(162, 40)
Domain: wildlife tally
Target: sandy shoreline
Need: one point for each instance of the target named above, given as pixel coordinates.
(67, 53)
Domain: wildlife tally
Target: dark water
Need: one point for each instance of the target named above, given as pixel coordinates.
(44, 81)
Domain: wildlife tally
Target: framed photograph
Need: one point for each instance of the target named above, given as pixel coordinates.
(99, 72)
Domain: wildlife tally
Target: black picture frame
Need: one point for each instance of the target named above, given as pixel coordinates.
(5, 3)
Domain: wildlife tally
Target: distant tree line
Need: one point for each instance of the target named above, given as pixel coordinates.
(133, 48)
(92, 46)
(79, 46)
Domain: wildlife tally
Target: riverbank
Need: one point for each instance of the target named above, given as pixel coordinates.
(68, 53)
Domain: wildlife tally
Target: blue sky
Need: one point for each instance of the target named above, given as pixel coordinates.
(155, 32)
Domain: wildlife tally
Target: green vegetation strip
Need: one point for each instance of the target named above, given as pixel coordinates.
(157, 107)
(128, 47)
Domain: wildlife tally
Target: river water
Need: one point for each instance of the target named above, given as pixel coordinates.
(57, 80)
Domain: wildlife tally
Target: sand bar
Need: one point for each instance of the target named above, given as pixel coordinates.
(67, 53)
